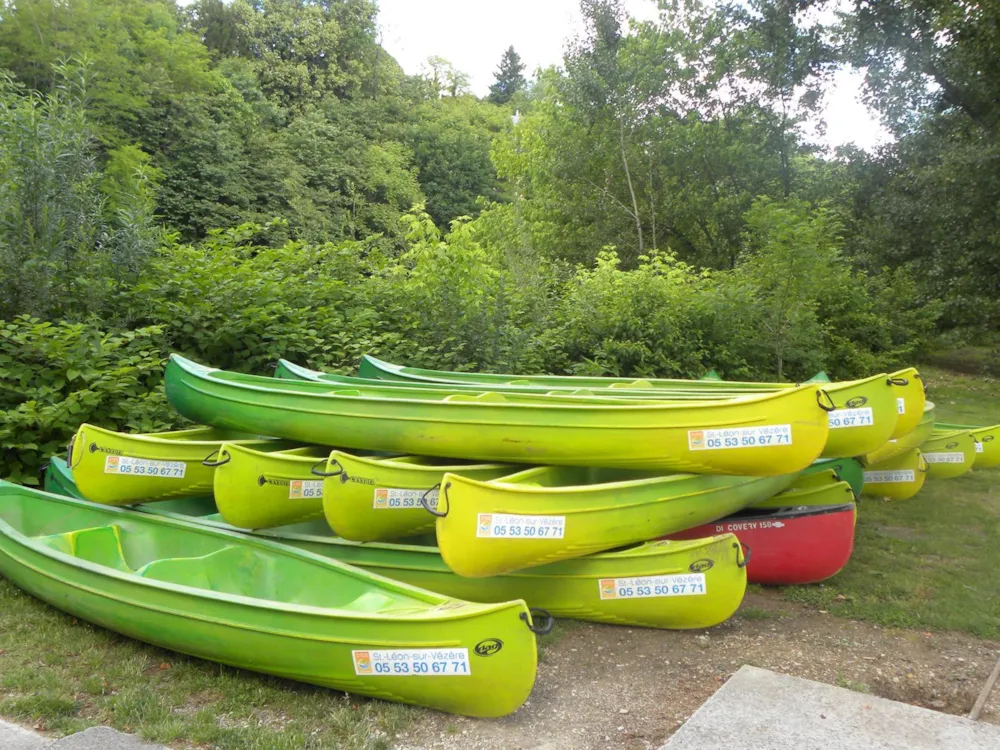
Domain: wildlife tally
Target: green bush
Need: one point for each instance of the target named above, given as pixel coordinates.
(55, 376)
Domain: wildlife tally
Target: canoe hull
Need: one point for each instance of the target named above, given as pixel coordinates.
(789, 546)
(987, 443)
(759, 436)
(898, 478)
(497, 527)
(949, 455)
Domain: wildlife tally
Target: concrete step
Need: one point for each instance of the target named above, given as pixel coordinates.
(14, 737)
(762, 709)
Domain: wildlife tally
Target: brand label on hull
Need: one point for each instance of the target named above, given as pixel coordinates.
(890, 477)
(507, 526)
(302, 489)
(851, 418)
(144, 467)
(766, 436)
(945, 458)
(732, 528)
(394, 498)
(643, 587)
(417, 662)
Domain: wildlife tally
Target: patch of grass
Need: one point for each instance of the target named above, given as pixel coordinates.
(929, 562)
(758, 613)
(857, 687)
(66, 675)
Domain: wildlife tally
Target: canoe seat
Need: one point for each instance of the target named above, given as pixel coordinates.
(101, 545)
(519, 381)
(488, 397)
(633, 384)
(574, 392)
(233, 570)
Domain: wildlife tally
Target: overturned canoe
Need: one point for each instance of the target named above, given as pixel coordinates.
(791, 545)
(987, 442)
(849, 470)
(826, 489)
(369, 499)
(865, 416)
(907, 385)
(773, 434)
(254, 489)
(117, 468)
(550, 513)
(898, 478)
(905, 443)
(257, 605)
(694, 584)
(949, 454)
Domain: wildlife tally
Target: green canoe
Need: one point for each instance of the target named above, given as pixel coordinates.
(851, 396)
(551, 513)
(767, 435)
(577, 589)
(850, 470)
(257, 605)
(866, 415)
(117, 468)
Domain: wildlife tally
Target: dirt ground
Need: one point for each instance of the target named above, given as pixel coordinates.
(608, 687)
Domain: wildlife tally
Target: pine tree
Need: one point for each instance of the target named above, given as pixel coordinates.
(509, 77)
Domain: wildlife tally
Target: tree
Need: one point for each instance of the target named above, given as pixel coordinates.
(444, 78)
(509, 78)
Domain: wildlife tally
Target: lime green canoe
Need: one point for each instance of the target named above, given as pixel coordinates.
(949, 454)
(117, 468)
(849, 470)
(255, 489)
(906, 443)
(549, 513)
(376, 499)
(822, 489)
(907, 386)
(692, 584)
(767, 435)
(987, 442)
(257, 605)
(865, 418)
(898, 478)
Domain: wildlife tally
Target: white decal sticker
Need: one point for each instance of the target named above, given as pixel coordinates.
(901, 405)
(979, 447)
(688, 584)
(143, 467)
(418, 662)
(945, 458)
(740, 437)
(890, 477)
(506, 526)
(851, 418)
(391, 497)
(301, 489)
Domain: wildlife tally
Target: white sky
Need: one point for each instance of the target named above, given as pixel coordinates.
(473, 34)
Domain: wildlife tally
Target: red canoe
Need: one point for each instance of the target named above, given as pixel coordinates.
(788, 545)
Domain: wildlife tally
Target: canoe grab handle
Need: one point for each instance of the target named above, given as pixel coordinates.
(746, 554)
(828, 404)
(425, 500)
(224, 458)
(537, 613)
(898, 381)
(339, 472)
(69, 453)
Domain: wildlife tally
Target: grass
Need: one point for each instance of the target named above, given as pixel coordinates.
(929, 562)
(63, 675)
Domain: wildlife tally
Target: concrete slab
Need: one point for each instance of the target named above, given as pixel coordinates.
(102, 738)
(13, 737)
(762, 709)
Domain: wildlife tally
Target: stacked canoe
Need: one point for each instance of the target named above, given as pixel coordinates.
(388, 533)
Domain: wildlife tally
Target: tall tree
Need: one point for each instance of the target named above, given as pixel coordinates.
(509, 77)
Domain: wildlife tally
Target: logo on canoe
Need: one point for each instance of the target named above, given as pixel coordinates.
(485, 522)
(854, 403)
(357, 480)
(696, 440)
(488, 647)
(699, 566)
(94, 447)
(363, 663)
(262, 480)
(987, 439)
(608, 590)
(952, 445)
(381, 498)
(111, 464)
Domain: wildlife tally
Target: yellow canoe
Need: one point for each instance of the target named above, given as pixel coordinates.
(987, 443)
(908, 442)
(949, 454)
(898, 478)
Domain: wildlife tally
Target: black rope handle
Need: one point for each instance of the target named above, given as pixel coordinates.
(545, 629)
(898, 381)
(340, 470)
(820, 393)
(426, 503)
(746, 555)
(69, 453)
(224, 458)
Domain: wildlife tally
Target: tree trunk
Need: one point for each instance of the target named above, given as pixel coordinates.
(628, 179)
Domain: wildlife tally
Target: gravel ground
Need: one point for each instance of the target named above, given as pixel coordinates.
(602, 686)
